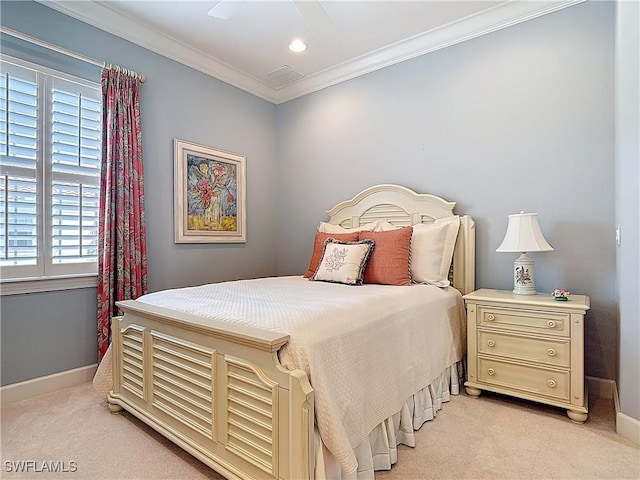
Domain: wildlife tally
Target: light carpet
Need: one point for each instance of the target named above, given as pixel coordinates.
(493, 437)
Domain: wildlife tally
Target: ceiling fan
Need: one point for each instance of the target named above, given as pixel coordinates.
(311, 11)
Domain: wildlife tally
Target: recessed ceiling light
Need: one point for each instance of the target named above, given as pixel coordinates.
(297, 46)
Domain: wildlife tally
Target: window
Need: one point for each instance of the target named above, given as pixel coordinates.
(50, 155)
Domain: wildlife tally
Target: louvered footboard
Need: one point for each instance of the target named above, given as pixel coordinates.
(217, 391)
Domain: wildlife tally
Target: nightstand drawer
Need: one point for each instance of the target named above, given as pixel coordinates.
(550, 383)
(542, 350)
(524, 320)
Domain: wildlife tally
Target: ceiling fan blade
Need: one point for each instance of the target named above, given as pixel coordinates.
(224, 9)
(313, 14)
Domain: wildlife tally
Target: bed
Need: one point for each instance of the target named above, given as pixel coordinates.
(262, 378)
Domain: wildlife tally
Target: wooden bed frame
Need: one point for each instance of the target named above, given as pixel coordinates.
(219, 391)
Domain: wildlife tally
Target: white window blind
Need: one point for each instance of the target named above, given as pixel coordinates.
(50, 153)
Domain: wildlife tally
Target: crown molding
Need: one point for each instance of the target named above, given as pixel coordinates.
(497, 18)
(101, 16)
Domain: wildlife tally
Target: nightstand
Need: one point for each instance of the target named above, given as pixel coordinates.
(528, 346)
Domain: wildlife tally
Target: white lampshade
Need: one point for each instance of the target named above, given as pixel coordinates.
(524, 235)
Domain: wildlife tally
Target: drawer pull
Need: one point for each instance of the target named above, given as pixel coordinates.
(491, 343)
(491, 371)
(551, 352)
(491, 317)
(551, 324)
(551, 383)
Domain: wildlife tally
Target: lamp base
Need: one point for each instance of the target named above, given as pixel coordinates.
(523, 276)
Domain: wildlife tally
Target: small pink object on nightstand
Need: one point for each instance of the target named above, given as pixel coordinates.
(561, 295)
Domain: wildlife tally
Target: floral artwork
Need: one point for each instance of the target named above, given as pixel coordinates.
(211, 194)
(209, 188)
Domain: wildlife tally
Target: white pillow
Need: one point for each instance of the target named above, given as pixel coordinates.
(384, 226)
(432, 246)
(325, 227)
(344, 262)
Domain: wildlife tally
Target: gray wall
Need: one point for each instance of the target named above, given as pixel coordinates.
(177, 102)
(520, 119)
(628, 201)
(47, 333)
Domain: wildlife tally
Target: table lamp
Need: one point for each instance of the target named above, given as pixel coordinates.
(524, 235)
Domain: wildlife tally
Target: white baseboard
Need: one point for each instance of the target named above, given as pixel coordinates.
(626, 426)
(47, 384)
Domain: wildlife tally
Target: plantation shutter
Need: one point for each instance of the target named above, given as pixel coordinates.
(19, 193)
(75, 159)
(50, 155)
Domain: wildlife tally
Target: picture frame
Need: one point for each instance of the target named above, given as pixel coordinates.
(209, 195)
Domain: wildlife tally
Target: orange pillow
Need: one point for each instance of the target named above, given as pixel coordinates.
(389, 261)
(318, 248)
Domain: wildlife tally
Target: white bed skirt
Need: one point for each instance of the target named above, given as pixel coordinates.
(380, 451)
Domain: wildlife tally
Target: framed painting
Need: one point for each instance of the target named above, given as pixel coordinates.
(209, 192)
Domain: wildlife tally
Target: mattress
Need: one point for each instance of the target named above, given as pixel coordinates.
(366, 349)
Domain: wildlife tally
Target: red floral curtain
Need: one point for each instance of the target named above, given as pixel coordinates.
(122, 250)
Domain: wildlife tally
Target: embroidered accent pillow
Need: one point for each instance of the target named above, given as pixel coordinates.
(318, 248)
(344, 262)
(432, 248)
(389, 262)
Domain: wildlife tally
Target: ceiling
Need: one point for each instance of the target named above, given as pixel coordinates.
(249, 47)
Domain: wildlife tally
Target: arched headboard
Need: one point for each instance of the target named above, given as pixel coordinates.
(402, 206)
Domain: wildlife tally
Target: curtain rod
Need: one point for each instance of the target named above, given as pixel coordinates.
(64, 51)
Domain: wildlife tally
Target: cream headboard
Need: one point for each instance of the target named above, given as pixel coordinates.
(402, 206)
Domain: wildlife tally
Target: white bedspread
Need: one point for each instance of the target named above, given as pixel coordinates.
(351, 340)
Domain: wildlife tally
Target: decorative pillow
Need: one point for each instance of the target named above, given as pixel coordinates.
(344, 262)
(318, 248)
(384, 226)
(325, 227)
(389, 262)
(432, 248)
